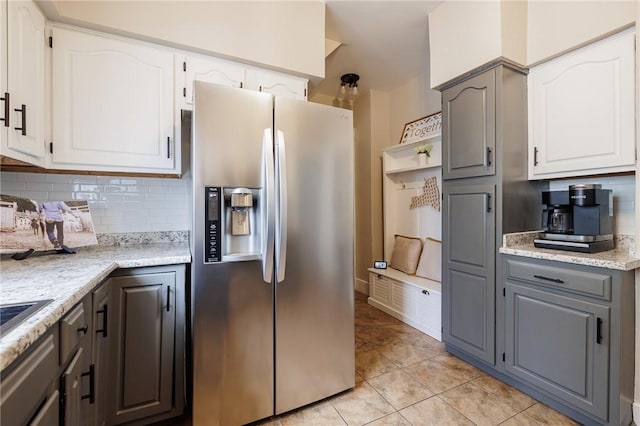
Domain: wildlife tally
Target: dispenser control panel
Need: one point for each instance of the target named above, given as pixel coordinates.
(213, 228)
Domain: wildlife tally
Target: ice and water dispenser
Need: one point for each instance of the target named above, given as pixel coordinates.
(232, 224)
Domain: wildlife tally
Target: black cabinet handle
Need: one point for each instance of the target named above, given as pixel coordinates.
(599, 330)
(535, 155)
(23, 110)
(91, 396)
(105, 313)
(489, 159)
(168, 146)
(488, 203)
(6, 109)
(83, 329)
(425, 292)
(168, 298)
(555, 280)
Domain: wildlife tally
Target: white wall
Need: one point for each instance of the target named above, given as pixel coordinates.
(408, 102)
(467, 34)
(363, 190)
(463, 35)
(117, 204)
(514, 36)
(554, 27)
(380, 138)
(286, 35)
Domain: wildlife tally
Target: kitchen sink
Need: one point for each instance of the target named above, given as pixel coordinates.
(12, 314)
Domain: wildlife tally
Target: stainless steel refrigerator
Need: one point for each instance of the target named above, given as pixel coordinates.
(272, 254)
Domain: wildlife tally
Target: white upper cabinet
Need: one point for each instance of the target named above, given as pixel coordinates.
(277, 84)
(112, 104)
(209, 70)
(218, 71)
(22, 83)
(581, 111)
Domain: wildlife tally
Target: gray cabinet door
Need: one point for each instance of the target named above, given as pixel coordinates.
(49, 414)
(101, 338)
(30, 381)
(559, 344)
(71, 383)
(142, 350)
(469, 127)
(468, 282)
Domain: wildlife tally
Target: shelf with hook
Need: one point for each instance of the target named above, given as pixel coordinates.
(403, 158)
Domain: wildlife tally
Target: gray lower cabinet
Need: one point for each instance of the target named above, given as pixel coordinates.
(468, 306)
(146, 357)
(569, 334)
(116, 357)
(100, 351)
(71, 388)
(76, 380)
(29, 385)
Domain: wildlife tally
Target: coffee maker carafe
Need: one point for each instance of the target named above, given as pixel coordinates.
(558, 219)
(580, 219)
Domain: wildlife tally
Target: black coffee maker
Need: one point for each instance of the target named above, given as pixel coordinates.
(580, 219)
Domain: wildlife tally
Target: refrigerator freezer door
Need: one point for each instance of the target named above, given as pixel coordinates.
(232, 306)
(232, 345)
(315, 355)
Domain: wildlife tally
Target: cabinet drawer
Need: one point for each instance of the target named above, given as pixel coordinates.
(23, 390)
(568, 278)
(49, 414)
(73, 327)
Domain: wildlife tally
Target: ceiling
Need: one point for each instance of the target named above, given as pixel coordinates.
(385, 42)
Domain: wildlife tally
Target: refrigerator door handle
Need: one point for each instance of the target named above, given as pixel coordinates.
(268, 217)
(281, 220)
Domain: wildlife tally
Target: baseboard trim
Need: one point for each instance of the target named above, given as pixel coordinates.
(362, 286)
(636, 412)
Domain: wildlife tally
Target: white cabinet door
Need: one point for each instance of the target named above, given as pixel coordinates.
(277, 84)
(4, 102)
(112, 105)
(209, 70)
(23, 127)
(581, 111)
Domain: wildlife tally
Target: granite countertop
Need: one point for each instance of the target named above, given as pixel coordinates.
(620, 258)
(66, 279)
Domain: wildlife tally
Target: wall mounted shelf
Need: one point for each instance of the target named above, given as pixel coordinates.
(403, 157)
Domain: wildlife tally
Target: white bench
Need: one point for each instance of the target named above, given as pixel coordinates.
(413, 300)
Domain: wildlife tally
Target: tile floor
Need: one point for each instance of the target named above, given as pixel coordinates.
(404, 377)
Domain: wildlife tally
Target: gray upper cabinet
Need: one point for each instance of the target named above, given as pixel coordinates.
(469, 120)
(469, 256)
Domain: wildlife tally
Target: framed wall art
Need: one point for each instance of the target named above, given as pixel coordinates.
(422, 128)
